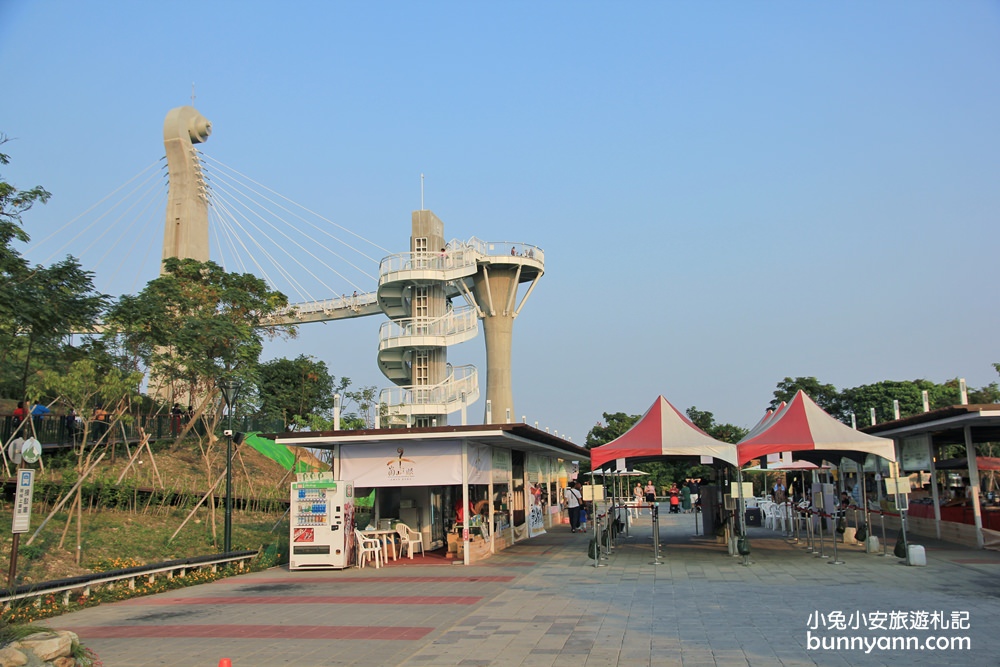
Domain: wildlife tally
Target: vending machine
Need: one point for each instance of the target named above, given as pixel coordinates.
(322, 522)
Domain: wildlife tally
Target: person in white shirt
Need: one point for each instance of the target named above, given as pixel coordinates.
(574, 502)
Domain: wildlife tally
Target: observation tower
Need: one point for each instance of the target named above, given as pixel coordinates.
(434, 296)
(416, 291)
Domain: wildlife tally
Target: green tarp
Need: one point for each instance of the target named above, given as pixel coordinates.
(276, 452)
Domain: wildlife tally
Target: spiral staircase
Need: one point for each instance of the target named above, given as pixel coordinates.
(415, 291)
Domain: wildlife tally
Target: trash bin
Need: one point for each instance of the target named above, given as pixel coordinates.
(753, 517)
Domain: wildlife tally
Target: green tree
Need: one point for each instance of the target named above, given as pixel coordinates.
(706, 422)
(13, 204)
(38, 305)
(85, 386)
(196, 324)
(825, 395)
(614, 425)
(52, 302)
(880, 395)
(365, 400)
(190, 328)
(294, 389)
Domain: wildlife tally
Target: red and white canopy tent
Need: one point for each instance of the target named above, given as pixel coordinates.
(804, 429)
(661, 433)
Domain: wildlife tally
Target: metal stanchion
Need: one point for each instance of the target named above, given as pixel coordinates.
(796, 516)
(836, 561)
(881, 514)
(609, 528)
(822, 515)
(655, 509)
(597, 537)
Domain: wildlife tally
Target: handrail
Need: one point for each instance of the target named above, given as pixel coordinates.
(66, 586)
(457, 321)
(461, 379)
(344, 302)
(458, 255)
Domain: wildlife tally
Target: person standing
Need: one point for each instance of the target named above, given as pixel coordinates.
(574, 501)
(778, 492)
(19, 414)
(70, 423)
(650, 492)
(637, 496)
(685, 499)
(675, 499)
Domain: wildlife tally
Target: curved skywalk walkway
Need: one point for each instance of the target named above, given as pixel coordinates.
(543, 603)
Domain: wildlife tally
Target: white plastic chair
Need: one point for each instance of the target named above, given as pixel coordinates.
(408, 538)
(767, 509)
(369, 549)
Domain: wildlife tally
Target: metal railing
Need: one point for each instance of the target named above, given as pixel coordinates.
(458, 255)
(54, 430)
(418, 400)
(461, 320)
(354, 302)
(86, 582)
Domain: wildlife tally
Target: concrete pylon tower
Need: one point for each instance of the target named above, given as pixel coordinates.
(495, 287)
(186, 230)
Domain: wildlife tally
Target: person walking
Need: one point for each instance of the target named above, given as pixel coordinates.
(637, 497)
(650, 492)
(574, 502)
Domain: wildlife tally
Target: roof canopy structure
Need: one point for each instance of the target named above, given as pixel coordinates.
(982, 463)
(802, 427)
(662, 432)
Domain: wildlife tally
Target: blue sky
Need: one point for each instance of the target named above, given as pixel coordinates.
(727, 193)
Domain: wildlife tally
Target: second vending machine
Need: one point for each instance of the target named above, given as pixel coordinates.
(322, 522)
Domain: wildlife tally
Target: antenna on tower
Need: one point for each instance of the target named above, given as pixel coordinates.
(422, 193)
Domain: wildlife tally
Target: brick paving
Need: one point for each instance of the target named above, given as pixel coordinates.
(543, 603)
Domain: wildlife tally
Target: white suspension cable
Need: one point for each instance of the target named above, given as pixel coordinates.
(135, 240)
(227, 220)
(238, 240)
(223, 178)
(372, 243)
(149, 184)
(101, 201)
(291, 240)
(145, 209)
(152, 243)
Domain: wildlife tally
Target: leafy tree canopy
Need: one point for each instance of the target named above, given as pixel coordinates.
(881, 395)
(825, 395)
(197, 323)
(294, 389)
(38, 305)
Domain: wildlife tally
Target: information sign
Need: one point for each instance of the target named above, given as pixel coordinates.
(22, 501)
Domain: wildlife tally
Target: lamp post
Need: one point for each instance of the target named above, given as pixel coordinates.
(230, 388)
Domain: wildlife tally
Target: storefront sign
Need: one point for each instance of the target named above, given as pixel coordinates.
(403, 464)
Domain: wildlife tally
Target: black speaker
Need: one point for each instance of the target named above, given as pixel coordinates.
(754, 517)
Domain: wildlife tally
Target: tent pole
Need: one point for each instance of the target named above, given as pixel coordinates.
(741, 510)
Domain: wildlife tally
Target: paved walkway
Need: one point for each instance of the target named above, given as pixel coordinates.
(543, 603)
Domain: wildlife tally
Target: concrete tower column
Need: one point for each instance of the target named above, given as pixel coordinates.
(493, 288)
(186, 230)
(426, 243)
